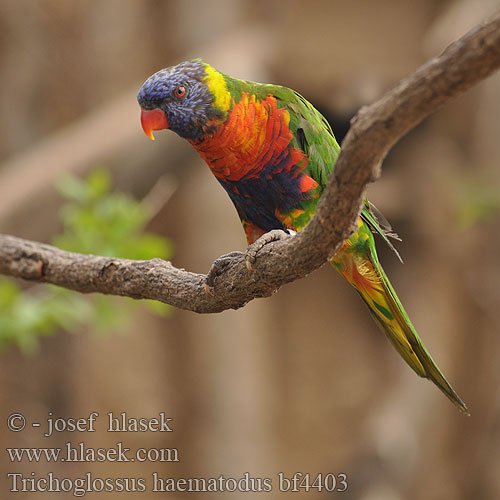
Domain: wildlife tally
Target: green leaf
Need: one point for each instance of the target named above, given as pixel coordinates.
(98, 221)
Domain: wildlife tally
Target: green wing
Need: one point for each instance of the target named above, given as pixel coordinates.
(313, 134)
(311, 131)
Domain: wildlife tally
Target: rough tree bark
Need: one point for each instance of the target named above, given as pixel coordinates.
(374, 130)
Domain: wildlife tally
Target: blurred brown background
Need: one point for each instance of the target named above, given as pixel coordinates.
(302, 381)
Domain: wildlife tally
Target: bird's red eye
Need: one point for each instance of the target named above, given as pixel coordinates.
(180, 91)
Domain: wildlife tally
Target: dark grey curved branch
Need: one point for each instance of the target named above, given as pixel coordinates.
(373, 132)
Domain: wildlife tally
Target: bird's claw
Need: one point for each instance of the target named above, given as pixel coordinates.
(220, 264)
(248, 264)
(258, 245)
(216, 269)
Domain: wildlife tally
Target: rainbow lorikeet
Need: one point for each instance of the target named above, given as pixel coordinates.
(272, 152)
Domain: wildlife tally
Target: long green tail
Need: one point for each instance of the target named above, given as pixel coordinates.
(357, 261)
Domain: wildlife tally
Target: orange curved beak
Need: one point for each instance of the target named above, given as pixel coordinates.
(153, 119)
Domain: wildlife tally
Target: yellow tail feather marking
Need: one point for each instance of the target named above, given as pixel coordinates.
(364, 277)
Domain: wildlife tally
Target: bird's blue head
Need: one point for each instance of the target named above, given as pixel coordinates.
(180, 98)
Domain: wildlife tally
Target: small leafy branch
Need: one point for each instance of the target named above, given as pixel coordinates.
(94, 220)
